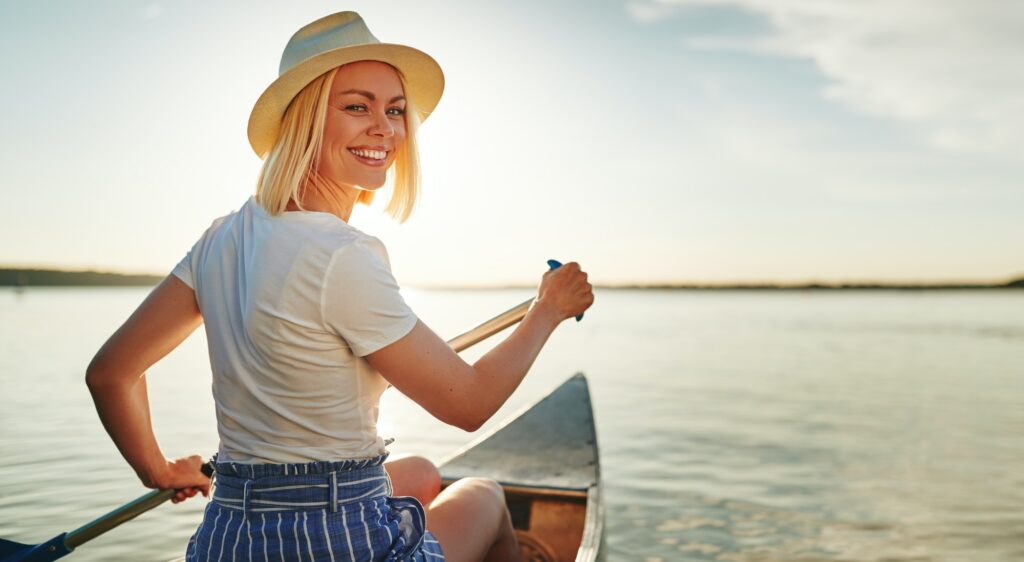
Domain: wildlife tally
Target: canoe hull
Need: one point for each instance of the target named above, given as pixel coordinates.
(546, 459)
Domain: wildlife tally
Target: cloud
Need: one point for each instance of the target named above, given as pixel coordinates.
(645, 11)
(952, 67)
(152, 11)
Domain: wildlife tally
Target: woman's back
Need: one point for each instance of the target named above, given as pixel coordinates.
(291, 303)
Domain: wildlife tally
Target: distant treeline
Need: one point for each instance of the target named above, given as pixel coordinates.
(1015, 284)
(54, 278)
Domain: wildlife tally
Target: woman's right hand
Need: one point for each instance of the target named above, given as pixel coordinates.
(565, 291)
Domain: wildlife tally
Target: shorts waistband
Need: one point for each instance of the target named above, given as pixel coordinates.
(256, 488)
(264, 470)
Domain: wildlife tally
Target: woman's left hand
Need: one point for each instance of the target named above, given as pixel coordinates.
(185, 476)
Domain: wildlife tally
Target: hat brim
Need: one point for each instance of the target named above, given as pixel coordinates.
(422, 78)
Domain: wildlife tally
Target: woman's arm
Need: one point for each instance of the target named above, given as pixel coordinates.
(424, 368)
(117, 381)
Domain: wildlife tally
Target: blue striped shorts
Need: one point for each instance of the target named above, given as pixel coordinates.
(311, 511)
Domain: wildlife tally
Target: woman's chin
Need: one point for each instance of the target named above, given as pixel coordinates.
(370, 186)
(363, 183)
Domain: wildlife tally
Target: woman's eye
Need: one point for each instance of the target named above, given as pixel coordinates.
(396, 111)
(355, 107)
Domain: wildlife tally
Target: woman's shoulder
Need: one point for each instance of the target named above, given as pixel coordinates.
(215, 228)
(333, 247)
(336, 239)
(361, 250)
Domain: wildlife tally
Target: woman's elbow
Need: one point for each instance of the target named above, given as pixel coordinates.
(470, 425)
(469, 420)
(93, 374)
(98, 375)
(460, 417)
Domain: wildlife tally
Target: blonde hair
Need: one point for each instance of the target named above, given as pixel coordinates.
(292, 160)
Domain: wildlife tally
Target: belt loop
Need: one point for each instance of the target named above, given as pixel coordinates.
(334, 491)
(246, 498)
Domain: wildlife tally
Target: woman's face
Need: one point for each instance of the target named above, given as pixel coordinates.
(364, 126)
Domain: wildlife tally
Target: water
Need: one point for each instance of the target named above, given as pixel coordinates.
(733, 425)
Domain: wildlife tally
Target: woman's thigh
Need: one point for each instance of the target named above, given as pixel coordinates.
(471, 503)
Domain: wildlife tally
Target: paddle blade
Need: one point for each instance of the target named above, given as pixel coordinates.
(10, 548)
(52, 549)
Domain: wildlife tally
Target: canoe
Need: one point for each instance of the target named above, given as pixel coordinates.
(546, 459)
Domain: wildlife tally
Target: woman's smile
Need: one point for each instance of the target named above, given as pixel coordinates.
(370, 156)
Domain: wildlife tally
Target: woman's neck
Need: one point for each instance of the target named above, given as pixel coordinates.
(322, 195)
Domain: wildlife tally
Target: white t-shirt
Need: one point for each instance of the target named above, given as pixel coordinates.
(291, 304)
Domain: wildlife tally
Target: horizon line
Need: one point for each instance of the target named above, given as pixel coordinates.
(18, 276)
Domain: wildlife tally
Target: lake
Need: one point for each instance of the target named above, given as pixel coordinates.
(733, 425)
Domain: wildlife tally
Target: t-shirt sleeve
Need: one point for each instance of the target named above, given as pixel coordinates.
(184, 269)
(188, 266)
(360, 299)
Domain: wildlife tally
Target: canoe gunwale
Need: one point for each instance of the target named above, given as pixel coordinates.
(592, 543)
(579, 494)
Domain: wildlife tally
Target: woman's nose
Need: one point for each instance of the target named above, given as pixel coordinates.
(382, 126)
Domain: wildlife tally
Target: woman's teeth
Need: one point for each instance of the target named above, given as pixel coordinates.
(372, 154)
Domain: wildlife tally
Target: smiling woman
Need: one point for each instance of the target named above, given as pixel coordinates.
(306, 328)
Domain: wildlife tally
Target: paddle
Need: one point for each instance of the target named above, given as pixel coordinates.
(64, 543)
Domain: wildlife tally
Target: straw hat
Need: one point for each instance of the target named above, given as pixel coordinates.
(330, 42)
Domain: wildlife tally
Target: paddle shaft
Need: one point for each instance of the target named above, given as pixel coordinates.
(491, 327)
(124, 513)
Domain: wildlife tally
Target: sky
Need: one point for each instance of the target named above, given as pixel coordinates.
(653, 141)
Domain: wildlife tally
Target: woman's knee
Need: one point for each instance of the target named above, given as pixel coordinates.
(484, 492)
(429, 475)
(485, 486)
(469, 503)
(415, 476)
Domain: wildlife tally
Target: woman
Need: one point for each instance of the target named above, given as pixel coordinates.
(306, 329)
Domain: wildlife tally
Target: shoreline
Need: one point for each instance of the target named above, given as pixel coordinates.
(24, 278)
